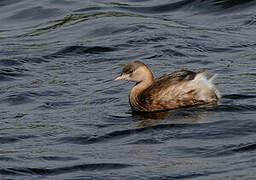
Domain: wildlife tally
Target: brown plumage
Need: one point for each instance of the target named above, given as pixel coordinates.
(174, 90)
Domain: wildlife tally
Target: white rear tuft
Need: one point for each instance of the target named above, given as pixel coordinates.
(201, 79)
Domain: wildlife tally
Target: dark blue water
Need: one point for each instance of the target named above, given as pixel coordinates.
(63, 117)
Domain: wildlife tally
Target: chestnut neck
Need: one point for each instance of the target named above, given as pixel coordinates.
(140, 87)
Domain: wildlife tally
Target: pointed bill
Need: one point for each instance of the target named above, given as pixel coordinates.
(122, 77)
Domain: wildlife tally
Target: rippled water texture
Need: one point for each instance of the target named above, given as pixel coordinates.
(63, 117)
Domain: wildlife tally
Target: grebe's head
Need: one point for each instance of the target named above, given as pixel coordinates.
(135, 71)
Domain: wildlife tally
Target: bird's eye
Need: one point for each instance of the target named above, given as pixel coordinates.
(130, 71)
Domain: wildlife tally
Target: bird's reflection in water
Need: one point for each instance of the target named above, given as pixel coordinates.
(178, 116)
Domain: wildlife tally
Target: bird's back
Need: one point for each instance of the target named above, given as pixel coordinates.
(178, 89)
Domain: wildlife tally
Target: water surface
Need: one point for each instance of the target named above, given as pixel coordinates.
(63, 117)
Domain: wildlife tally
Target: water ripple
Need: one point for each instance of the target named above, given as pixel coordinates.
(63, 170)
(11, 74)
(10, 62)
(8, 2)
(56, 105)
(118, 134)
(158, 8)
(221, 150)
(35, 13)
(17, 99)
(79, 50)
(14, 139)
(238, 96)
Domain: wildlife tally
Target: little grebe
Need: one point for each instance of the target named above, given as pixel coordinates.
(173, 90)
